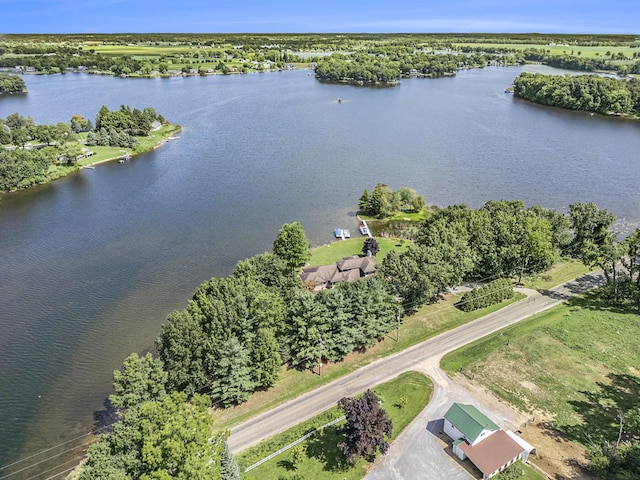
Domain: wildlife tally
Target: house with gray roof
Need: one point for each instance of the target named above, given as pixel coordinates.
(346, 270)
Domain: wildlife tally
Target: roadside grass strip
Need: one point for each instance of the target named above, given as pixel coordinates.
(293, 444)
(310, 449)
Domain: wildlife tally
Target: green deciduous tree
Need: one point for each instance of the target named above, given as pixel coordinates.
(265, 358)
(589, 224)
(407, 277)
(159, 440)
(292, 245)
(141, 379)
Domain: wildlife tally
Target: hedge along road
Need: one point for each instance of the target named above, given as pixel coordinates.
(312, 403)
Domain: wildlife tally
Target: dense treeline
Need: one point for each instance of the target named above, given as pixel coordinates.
(580, 92)
(11, 84)
(119, 127)
(490, 294)
(237, 331)
(578, 62)
(28, 151)
(21, 167)
(36, 43)
(362, 68)
(500, 239)
(159, 439)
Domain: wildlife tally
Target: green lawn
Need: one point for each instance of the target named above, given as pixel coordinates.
(335, 251)
(561, 272)
(321, 457)
(521, 471)
(578, 362)
(145, 144)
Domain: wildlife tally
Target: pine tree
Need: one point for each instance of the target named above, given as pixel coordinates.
(364, 204)
(228, 465)
(234, 379)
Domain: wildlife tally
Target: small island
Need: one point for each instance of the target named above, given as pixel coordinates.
(11, 84)
(33, 154)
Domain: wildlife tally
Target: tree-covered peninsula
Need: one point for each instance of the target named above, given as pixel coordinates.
(590, 93)
(32, 154)
(240, 334)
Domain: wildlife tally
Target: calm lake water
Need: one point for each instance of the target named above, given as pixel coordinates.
(92, 264)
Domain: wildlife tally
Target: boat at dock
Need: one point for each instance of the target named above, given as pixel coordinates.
(364, 229)
(341, 233)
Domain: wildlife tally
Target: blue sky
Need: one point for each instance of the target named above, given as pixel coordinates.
(224, 16)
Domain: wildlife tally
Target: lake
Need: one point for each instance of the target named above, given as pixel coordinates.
(93, 263)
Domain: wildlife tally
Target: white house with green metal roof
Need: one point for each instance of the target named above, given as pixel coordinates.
(467, 422)
(480, 440)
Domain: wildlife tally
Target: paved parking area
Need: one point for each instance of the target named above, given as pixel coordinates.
(421, 451)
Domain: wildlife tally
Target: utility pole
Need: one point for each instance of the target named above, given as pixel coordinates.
(398, 331)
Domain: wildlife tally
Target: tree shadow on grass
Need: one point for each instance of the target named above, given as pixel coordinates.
(592, 300)
(288, 465)
(323, 446)
(600, 410)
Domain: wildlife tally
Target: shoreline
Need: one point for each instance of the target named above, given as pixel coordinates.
(166, 136)
(61, 171)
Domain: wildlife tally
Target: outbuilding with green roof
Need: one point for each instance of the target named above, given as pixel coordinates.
(467, 422)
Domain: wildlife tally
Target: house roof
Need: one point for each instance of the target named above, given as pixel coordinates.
(493, 452)
(346, 270)
(469, 420)
(321, 274)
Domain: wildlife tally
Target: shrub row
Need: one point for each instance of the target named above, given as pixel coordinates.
(490, 294)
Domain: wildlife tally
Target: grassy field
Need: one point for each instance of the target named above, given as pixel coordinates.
(335, 251)
(321, 457)
(585, 51)
(576, 364)
(521, 471)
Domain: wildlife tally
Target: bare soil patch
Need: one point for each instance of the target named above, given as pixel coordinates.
(557, 457)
